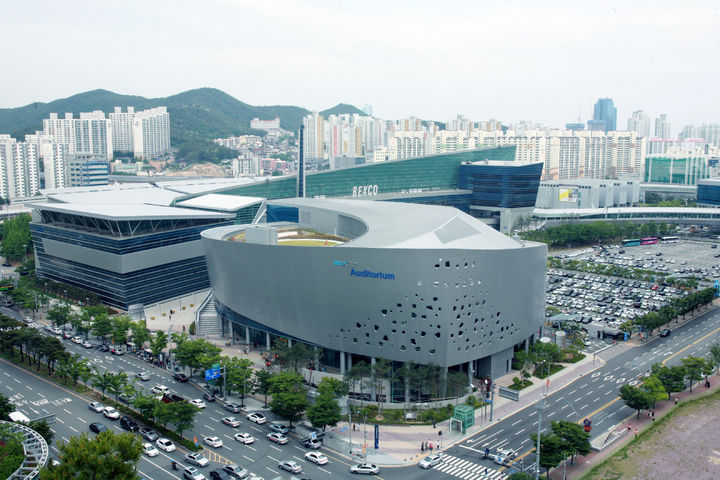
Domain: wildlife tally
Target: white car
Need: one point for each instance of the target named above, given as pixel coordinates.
(278, 438)
(191, 473)
(150, 450)
(214, 442)
(165, 444)
(430, 461)
(77, 339)
(87, 344)
(96, 407)
(258, 418)
(231, 421)
(316, 457)
(111, 413)
(245, 438)
(144, 376)
(504, 456)
(160, 390)
(291, 466)
(198, 403)
(365, 468)
(196, 459)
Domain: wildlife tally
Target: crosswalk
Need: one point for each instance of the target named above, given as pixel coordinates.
(467, 470)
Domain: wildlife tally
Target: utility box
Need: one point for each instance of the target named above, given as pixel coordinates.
(466, 415)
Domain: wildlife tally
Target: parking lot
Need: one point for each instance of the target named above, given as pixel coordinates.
(602, 303)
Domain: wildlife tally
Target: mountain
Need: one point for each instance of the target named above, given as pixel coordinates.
(195, 115)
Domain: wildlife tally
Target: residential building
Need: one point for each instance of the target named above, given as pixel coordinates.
(267, 125)
(662, 127)
(639, 122)
(122, 129)
(56, 164)
(19, 172)
(88, 170)
(151, 133)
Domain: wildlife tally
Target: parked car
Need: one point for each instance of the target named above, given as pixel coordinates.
(214, 442)
(365, 468)
(233, 407)
(209, 397)
(258, 418)
(279, 428)
(196, 459)
(144, 376)
(165, 444)
(278, 438)
(430, 461)
(220, 475)
(149, 434)
(290, 466)
(665, 332)
(103, 348)
(198, 403)
(77, 339)
(111, 413)
(160, 390)
(129, 424)
(312, 443)
(231, 421)
(316, 457)
(96, 407)
(192, 473)
(150, 450)
(180, 377)
(235, 471)
(245, 438)
(116, 351)
(97, 427)
(125, 398)
(66, 335)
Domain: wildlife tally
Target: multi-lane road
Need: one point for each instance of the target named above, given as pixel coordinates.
(592, 396)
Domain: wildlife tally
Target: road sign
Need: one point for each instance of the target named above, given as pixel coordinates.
(313, 435)
(215, 365)
(212, 374)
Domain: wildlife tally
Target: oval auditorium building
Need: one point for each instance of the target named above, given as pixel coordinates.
(361, 280)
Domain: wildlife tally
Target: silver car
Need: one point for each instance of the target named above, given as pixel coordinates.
(430, 461)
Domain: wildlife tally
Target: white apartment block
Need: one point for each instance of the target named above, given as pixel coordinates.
(267, 125)
(151, 133)
(245, 167)
(122, 129)
(408, 144)
(89, 134)
(662, 127)
(639, 122)
(314, 138)
(56, 163)
(19, 172)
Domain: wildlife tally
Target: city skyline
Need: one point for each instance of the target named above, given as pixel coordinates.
(463, 59)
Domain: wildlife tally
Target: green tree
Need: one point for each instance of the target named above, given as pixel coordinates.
(457, 384)
(672, 378)
(326, 410)
(102, 326)
(552, 450)
(117, 384)
(164, 413)
(261, 383)
(299, 355)
(146, 404)
(105, 456)
(654, 388)
(696, 368)
(577, 440)
(636, 398)
(59, 315)
(380, 373)
(140, 333)
(238, 371)
(197, 354)
(6, 408)
(102, 380)
(120, 328)
(714, 355)
(42, 427)
(16, 237)
(357, 375)
(158, 343)
(183, 415)
(289, 397)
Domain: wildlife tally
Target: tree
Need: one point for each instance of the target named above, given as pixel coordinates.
(299, 355)
(102, 380)
(654, 388)
(117, 384)
(577, 440)
(357, 375)
(105, 456)
(158, 343)
(261, 383)
(140, 333)
(197, 354)
(146, 404)
(672, 378)
(380, 373)
(636, 398)
(183, 415)
(238, 371)
(714, 355)
(102, 326)
(457, 383)
(59, 315)
(120, 327)
(524, 358)
(326, 410)
(6, 408)
(696, 368)
(42, 427)
(289, 398)
(552, 450)
(164, 413)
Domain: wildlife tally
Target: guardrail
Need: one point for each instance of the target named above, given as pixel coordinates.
(36, 452)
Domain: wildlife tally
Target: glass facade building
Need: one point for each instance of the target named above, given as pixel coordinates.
(500, 185)
(708, 192)
(676, 170)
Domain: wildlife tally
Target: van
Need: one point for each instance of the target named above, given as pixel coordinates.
(18, 417)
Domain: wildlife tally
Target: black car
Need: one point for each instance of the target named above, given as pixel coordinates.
(665, 332)
(129, 424)
(180, 377)
(103, 348)
(149, 434)
(97, 427)
(220, 475)
(209, 397)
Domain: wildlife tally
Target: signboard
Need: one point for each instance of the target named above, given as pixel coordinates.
(5, 288)
(513, 395)
(212, 374)
(377, 436)
(567, 195)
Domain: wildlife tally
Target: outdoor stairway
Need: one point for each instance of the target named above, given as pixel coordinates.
(207, 322)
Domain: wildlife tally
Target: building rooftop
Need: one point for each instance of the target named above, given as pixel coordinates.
(215, 201)
(122, 212)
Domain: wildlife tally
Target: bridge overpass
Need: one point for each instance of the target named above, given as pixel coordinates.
(679, 215)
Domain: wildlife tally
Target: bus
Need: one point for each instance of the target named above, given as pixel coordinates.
(648, 241)
(670, 239)
(18, 417)
(631, 242)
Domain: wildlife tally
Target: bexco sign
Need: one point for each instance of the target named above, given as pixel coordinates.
(364, 190)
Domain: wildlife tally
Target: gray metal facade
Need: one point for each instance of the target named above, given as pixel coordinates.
(419, 283)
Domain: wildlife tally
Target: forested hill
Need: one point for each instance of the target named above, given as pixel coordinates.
(195, 116)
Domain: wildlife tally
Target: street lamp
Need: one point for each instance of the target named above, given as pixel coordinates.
(540, 405)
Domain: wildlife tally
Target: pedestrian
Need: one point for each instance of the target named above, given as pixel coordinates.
(676, 401)
(628, 427)
(636, 433)
(653, 414)
(422, 446)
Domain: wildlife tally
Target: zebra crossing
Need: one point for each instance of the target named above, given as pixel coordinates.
(467, 470)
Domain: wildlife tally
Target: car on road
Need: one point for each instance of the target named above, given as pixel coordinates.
(665, 332)
(233, 407)
(144, 376)
(116, 351)
(96, 407)
(125, 398)
(149, 434)
(235, 471)
(160, 390)
(504, 455)
(245, 438)
(150, 450)
(258, 418)
(316, 457)
(279, 428)
(129, 424)
(180, 377)
(103, 348)
(312, 443)
(290, 466)
(65, 335)
(55, 330)
(220, 475)
(77, 339)
(214, 442)
(587, 343)
(192, 473)
(196, 459)
(111, 413)
(430, 461)
(231, 421)
(198, 403)
(97, 427)
(278, 438)
(365, 468)
(209, 397)
(86, 344)
(165, 444)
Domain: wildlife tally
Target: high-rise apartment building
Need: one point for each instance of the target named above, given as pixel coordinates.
(662, 127)
(408, 144)
(56, 163)
(639, 122)
(19, 172)
(122, 129)
(604, 115)
(86, 169)
(90, 134)
(151, 133)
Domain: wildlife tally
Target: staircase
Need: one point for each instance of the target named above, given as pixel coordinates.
(207, 322)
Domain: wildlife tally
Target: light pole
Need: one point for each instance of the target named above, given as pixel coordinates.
(540, 405)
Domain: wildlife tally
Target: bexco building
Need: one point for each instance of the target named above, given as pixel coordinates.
(360, 280)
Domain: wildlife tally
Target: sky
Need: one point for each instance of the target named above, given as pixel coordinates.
(542, 61)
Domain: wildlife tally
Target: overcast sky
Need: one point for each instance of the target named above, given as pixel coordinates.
(544, 61)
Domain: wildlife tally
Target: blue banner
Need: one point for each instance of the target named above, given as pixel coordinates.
(377, 436)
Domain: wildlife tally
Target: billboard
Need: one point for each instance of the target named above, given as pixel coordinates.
(567, 195)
